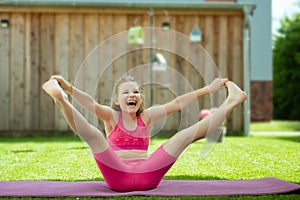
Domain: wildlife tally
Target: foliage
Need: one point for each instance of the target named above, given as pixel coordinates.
(286, 63)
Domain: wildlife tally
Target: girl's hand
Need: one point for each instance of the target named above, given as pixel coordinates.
(217, 84)
(65, 85)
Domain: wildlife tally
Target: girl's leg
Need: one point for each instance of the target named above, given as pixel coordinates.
(90, 134)
(176, 144)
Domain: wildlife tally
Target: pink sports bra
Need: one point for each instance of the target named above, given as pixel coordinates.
(122, 139)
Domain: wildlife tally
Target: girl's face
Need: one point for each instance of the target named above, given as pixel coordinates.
(129, 98)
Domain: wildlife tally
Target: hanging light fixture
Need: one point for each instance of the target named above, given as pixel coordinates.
(166, 23)
(196, 35)
(160, 62)
(135, 33)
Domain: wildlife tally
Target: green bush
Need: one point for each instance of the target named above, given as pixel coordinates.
(286, 66)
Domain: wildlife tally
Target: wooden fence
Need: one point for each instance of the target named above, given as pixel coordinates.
(41, 41)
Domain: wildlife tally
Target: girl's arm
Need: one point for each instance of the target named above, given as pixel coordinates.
(182, 101)
(102, 112)
(85, 100)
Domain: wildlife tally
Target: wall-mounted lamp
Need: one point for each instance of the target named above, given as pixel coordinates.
(4, 23)
(166, 25)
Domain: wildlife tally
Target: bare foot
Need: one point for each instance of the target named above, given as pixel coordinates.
(235, 94)
(54, 90)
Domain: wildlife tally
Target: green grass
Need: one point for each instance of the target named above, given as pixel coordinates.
(67, 159)
(276, 125)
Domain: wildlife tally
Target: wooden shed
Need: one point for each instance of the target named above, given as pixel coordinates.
(42, 38)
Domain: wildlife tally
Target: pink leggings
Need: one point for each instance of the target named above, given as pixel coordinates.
(132, 175)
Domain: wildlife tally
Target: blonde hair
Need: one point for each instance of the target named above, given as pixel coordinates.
(125, 79)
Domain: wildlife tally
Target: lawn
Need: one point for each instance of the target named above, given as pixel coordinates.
(68, 159)
(277, 125)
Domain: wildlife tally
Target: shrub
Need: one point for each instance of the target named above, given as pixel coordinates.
(286, 66)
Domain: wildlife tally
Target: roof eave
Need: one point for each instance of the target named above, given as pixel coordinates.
(208, 6)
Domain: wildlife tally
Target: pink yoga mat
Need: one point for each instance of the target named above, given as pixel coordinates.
(166, 188)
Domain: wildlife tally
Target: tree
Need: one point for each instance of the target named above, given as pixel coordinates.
(286, 66)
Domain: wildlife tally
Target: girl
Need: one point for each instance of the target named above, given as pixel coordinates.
(122, 157)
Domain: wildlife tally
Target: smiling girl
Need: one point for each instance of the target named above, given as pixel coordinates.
(122, 156)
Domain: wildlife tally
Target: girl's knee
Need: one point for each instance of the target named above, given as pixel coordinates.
(97, 143)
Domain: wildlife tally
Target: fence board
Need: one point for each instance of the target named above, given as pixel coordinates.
(5, 75)
(32, 84)
(134, 56)
(105, 84)
(192, 75)
(47, 69)
(61, 60)
(27, 100)
(76, 51)
(216, 33)
(91, 68)
(76, 45)
(35, 71)
(223, 50)
(161, 93)
(209, 47)
(182, 66)
(196, 55)
(173, 119)
(90, 41)
(146, 59)
(201, 57)
(120, 65)
(237, 67)
(17, 72)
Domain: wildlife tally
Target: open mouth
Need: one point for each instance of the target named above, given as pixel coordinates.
(131, 103)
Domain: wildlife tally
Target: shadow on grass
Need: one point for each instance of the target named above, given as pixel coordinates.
(22, 151)
(294, 126)
(40, 139)
(295, 138)
(291, 138)
(77, 148)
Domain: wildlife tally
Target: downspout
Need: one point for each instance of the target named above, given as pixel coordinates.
(248, 11)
